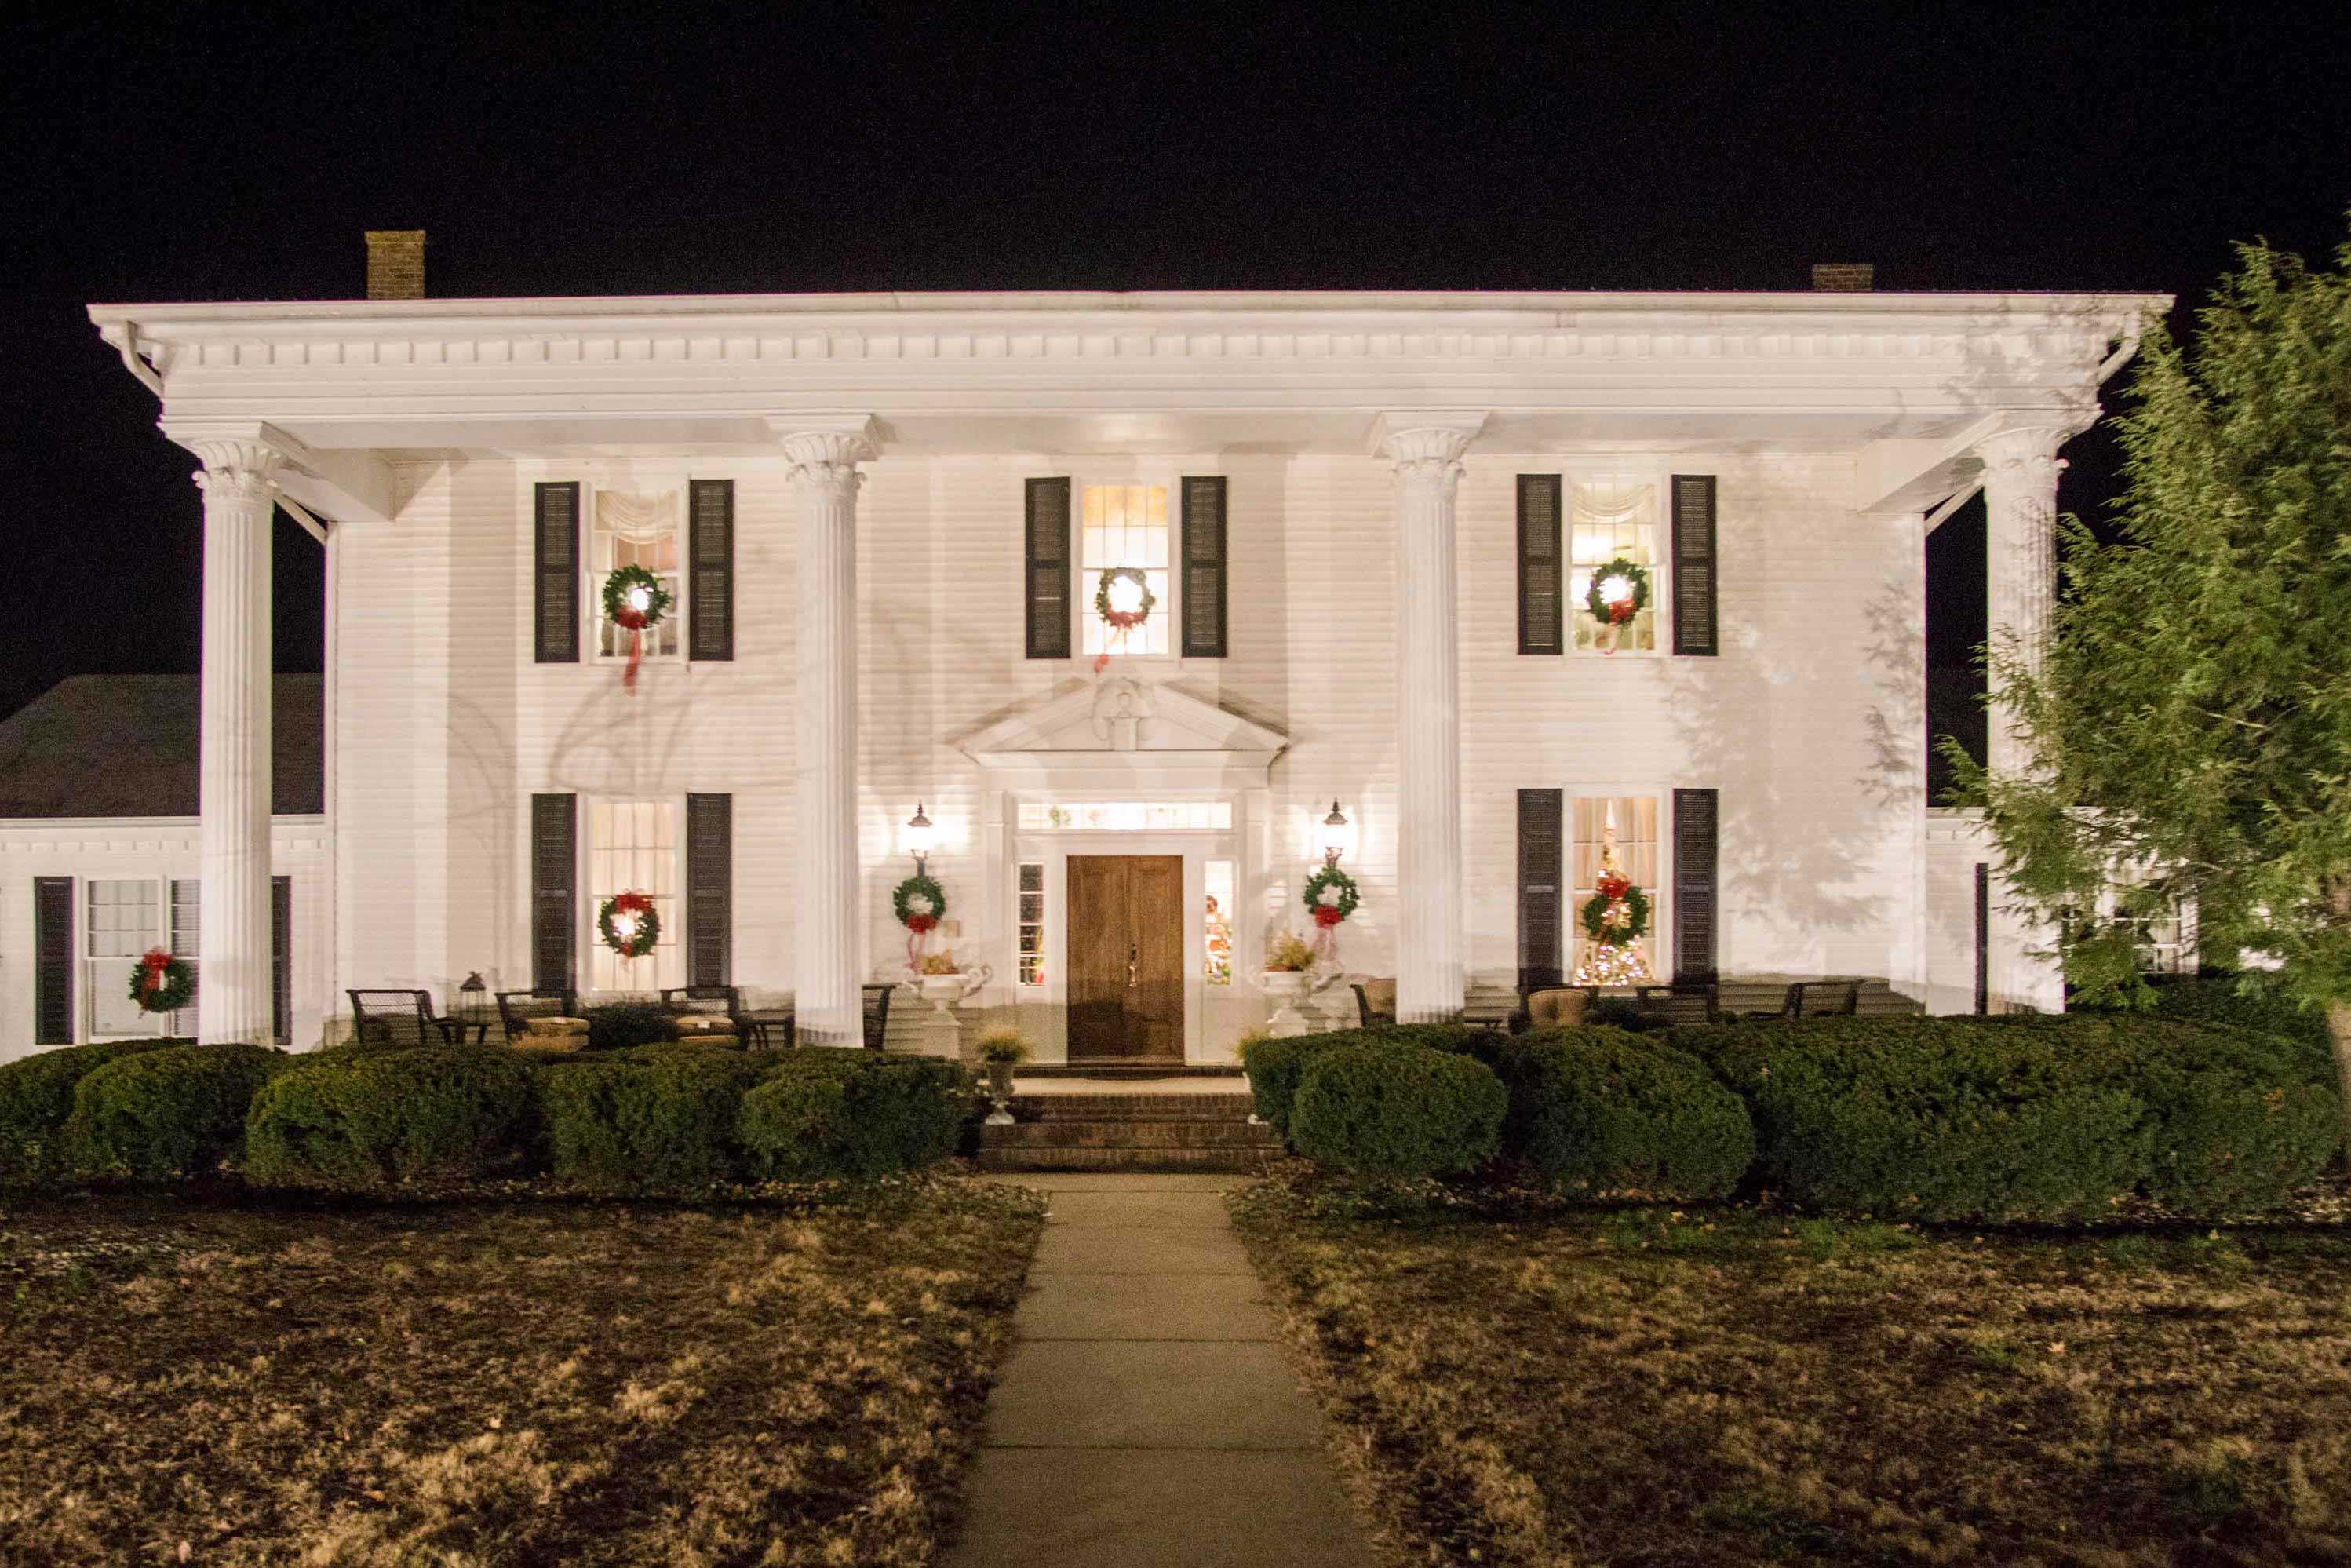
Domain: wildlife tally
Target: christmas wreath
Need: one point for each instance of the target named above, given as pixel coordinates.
(161, 983)
(628, 925)
(919, 903)
(634, 599)
(1631, 598)
(1120, 621)
(1332, 897)
(1613, 891)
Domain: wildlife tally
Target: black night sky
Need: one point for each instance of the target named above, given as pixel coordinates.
(218, 155)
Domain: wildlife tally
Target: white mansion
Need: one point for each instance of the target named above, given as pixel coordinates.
(1366, 529)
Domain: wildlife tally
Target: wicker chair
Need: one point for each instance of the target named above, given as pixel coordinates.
(516, 1008)
(384, 1017)
(716, 1001)
(1376, 1002)
(1683, 1003)
(1559, 1007)
(877, 1014)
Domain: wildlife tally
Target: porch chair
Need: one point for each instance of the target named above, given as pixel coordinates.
(714, 1003)
(877, 1014)
(1681, 1004)
(1559, 1007)
(1817, 998)
(1376, 1002)
(382, 1016)
(518, 1009)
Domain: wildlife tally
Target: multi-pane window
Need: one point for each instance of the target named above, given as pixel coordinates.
(124, 919)
(1127, 816)
(1217, 968)
(1614, 519)
(1123, 527)
(636, 530)
(1031, 921)
(1629, 823)
(632, 848)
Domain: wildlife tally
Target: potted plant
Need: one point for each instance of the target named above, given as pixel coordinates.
(1288, 957)
(1002, 1050)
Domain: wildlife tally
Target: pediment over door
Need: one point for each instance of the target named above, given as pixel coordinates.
(1123, 733)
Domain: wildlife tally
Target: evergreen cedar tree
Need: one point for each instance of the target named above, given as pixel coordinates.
(2193, 713)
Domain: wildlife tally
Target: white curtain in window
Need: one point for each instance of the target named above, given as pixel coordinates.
(641, 519)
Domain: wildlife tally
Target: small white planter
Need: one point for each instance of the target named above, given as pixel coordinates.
(1287, 989)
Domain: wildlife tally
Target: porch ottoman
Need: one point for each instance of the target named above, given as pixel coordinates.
(553, 1031)
(708, 1029)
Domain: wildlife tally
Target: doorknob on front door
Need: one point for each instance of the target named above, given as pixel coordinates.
(1134, 954)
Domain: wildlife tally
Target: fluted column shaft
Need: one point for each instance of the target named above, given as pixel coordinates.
(828, 924)
(232, 980)
(1430, 942)
(2020, 469)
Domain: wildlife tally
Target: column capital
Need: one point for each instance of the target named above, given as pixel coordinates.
(825, 449)
(238, 467)
(2025, 452)
(1425, 443)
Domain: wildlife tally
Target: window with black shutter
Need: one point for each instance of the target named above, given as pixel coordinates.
(1693, 605)
(1048, 568)
(1696, 897)
(710, 545)
(1541, 862)
(1203, 508)
(281, 959)
(556, 572)
(52, 960)
(709, 888)
(554, 891)
(1539, 564)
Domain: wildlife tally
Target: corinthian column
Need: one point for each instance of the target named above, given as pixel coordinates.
(1430, 960)
(2020, 469)
(828, 922)
(233, 970)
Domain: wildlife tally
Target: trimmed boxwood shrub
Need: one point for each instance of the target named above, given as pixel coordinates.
(161, 1114)
(365, 1119)
(1599, 1111)
(2219, 1000)
(1277, 1066)
(658, 1120)
(36, 1096)
(617, 1026)
(1931, 1118)
(851, 1113)
(1394, 1109)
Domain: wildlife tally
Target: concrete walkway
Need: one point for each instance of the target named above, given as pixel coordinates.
(1146, 1418)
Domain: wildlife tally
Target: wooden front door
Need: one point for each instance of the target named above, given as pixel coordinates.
(1126, 958)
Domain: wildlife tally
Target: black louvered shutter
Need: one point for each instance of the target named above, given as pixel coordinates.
(1697, 838)
(1204, 567)
(709, 888)
(1539, 564)
(281, 959)
(556, 572)
(1693, 611)
(1540, 859)
(710, 528)
(1049, 569)
(554, 893)
(52, 960)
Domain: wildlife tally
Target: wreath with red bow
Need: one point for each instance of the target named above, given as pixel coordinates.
(1332, 897)
(161, 983)
(1608, 893)
(919, 903)
(627, 923)
(634, 600)
(1616, 612)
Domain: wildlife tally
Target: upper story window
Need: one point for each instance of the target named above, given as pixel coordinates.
(1614, 519)
(1124, 529)
(636, 530)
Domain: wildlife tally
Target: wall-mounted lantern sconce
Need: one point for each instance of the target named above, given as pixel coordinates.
(921, 836)
(1338, 836)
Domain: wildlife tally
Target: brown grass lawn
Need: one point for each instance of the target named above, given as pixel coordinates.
(485, 1386)
(1647, 1387)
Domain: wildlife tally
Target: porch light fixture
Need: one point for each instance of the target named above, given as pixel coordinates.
(921, 836)
(1338, 836)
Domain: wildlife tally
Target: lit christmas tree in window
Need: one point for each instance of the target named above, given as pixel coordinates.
(1615, 918)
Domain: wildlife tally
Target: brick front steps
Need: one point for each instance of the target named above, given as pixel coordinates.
(1128, 1131)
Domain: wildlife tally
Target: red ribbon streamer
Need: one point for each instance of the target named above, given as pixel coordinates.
(155, 962)
(1120, 622)
(634, 620)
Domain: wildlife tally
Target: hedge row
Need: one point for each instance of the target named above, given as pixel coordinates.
(2052, 1119)
(663, 1117)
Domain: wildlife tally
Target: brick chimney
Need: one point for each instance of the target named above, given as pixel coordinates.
(1828, 276)
(395, 264)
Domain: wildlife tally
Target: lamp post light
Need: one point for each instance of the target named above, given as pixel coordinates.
(921, 836)
(1338, 836)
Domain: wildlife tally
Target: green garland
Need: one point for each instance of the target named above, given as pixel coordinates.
(1638, 576)
(1332, 876)
(922, 884)
(178, 990)
(1133, 575)
(648, 925)
(616, 595)
(1636, 918)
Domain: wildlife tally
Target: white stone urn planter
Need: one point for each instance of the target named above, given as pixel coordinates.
(1287, 989)
(942, 1032)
